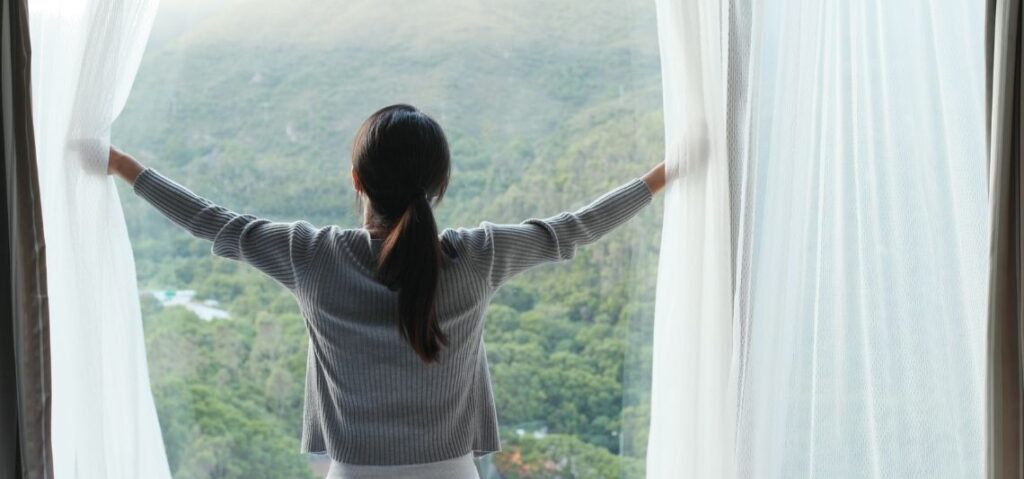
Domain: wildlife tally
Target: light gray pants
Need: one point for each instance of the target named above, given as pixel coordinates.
(458, 468)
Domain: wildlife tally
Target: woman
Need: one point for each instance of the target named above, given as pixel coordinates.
(397, 382)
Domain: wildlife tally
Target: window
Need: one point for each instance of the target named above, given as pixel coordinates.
(253, 104)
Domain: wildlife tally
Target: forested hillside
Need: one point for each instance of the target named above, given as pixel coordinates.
(253, 103)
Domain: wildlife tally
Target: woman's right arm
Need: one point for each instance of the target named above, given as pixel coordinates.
(508, 250)
(281, 250)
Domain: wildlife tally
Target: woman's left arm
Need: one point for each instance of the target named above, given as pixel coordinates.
(280, 250)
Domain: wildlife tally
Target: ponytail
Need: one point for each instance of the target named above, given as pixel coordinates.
(400, 161)
(410, 260)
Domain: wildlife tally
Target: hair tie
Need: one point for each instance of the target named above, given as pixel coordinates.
(417, 193)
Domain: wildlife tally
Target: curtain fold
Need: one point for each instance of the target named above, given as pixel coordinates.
(693, 407)
(26, 316)
(1005, 362)
(86, 56)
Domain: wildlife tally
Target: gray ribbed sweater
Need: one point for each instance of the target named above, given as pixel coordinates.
(369, 398)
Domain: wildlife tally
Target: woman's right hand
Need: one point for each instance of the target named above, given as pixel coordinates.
(122, 164)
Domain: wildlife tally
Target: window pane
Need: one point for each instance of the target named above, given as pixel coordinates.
(253, 104)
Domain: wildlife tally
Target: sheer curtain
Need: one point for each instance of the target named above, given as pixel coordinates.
(85, 54)
(861, 238)
(692, 405)
(855, 143)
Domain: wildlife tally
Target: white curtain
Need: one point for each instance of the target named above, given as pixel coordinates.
(862, 239)
(84, 57)
(856, 151)
(692, 406)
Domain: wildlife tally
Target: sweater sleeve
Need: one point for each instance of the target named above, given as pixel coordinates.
(507, 250)
(280, 250)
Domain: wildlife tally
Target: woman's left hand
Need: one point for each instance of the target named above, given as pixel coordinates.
(655, 178)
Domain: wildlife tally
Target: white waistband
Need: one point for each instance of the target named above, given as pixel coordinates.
(458, 468)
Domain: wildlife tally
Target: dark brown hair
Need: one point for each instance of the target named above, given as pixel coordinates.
(400, 156)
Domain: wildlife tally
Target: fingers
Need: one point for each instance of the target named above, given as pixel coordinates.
(90, 152)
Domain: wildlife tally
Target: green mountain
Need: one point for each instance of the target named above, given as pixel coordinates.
(547, 105)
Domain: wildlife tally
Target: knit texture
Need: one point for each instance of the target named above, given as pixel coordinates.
(369, 398)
